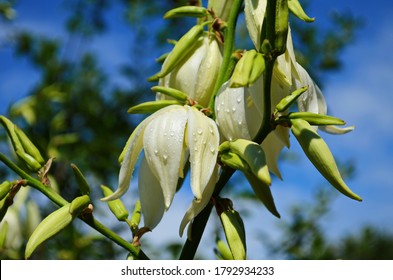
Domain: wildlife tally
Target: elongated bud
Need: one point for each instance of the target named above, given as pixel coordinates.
(319, 154)
(288, 100)
(79, 204)
(81, 180)
(315, 119)
(5, 188)
(181, 50)
(30, 162)
(152, 106)
(24, 148)
(234, 161)
(296, 9)
(187, 11)
(171, 92)
(136, 216)
(263, 192)
(223, 251)
(116, 206)
(249, 68)
(49, 227)
(281, 26)
(254, 156)
(28, 146)
(233, 227)
(3, 234)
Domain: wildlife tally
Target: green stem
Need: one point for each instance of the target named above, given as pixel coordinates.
(60, 201)
(267, 125)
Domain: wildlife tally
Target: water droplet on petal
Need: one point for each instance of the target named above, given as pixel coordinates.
(199, 131)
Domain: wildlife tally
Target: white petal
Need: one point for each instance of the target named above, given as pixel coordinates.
(285, 68)
(203, 141)
(130, 155)
(332, 129)
(151, 196)
(197, 206)
(308, 101)
(272, 146)
(163, 145)
(237, 115)
(207, 72)
(254, 11)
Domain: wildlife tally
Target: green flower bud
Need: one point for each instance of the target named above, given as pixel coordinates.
(223, 252)
(319, 154)
(136, 216)
(187, 11)
(254, 156)
(5, 188)
(234, 161)
(281, 26)
(3, 235)
(28, 146)
(235, 234)
(79, 204)
(249, 68)
(152, 106)
(24, 148)
(315, 119)
(296, 9)
(116, 206)
(49, 227)
(81, 180)
(288, 100)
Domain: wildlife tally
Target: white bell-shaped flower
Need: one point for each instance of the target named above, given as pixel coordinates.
(167, 137)
(239, 116)
(196, 74)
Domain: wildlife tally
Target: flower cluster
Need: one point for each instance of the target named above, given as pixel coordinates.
(202, 123)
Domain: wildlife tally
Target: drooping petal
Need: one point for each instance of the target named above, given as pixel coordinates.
(130, 154)
(285, 68)
(272, 146)
(254, 11)
(197, 206)
(203, 141)
(163, 146)
(308, 101)
(313, 101)
(151, 196)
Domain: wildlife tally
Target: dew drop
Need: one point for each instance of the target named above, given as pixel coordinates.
(199, 131)
(233, 109)
(239, 99)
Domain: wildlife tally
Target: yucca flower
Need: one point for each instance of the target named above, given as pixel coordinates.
(168, 137)
(196, 74)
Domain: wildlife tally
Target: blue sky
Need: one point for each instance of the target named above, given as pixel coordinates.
(361, 94)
